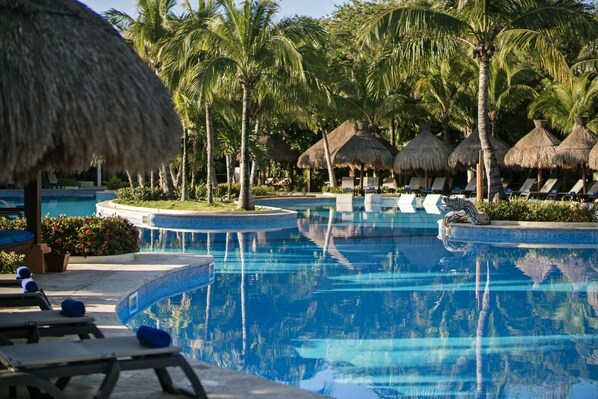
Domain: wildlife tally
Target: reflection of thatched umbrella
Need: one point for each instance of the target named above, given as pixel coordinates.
(71, 88)
(575, 149)
(466, 154)
(425, 151)
(535, 267)
(277, 149)
(534, 150)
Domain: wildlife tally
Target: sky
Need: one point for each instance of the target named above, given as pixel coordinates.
(312, 8)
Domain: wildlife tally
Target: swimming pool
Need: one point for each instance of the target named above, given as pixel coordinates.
(54, 206)
(371, 305)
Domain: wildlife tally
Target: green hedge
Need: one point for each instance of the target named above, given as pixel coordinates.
(522, 210)
(85, 236)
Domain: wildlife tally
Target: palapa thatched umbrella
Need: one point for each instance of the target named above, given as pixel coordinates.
(466, 154)
(425, 152)
(575, 149)
(71, 87)
(314, 157)
(534, 150)
(362, 150)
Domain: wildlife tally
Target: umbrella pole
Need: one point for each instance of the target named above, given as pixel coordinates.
(309, 180)
(33, 207)
(361, 178)
(583, 177)
(539, 179)
(426, 185)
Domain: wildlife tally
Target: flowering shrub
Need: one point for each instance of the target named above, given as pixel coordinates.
(538, 211)
(85, 236)
(140, 194)
(10, 261)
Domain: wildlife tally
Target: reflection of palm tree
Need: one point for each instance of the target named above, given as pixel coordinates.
(481, 329)
(241, 238)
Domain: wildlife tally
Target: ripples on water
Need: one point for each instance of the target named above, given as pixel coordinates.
(371, 305)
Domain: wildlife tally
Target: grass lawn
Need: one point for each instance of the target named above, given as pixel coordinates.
(197, 206)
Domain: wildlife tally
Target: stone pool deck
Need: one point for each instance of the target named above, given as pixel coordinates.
(101, 287)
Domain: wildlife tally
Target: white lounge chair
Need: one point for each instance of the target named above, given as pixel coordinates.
(371, 184)
(347, 183)
(414, 184)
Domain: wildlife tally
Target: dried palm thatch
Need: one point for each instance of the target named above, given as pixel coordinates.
(362, 150)
(71, 88)
(277, 149)
(535, 150)
(575, 149)
(593, 161)
(467, 152)
(425, 152)
(314, 157)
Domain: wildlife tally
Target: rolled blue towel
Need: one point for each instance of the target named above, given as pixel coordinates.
(23, 272)
(72, 308)
(153, 337)
(29, 285)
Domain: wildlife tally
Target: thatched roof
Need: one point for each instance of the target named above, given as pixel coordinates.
(575, 149)
(277, 149)
(467, 152)
(535, 149)
(362, 149)
(425, 152)
(71, 88)
(351, 145)
(314, 157)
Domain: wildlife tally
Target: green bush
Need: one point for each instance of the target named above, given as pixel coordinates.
(114, 183)
(522, 210)
(10, 261)
(140, 194)
(68, 182)
(332, 190)
(85, 236)
(263, 190)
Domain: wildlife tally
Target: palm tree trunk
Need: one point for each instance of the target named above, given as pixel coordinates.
(253, 163)
(209, 153)
(184, 192)
(392, 129)
(444, 122)
(331, 177)
(492, 172)
(245, 192)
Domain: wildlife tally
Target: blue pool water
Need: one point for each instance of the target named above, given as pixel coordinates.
(371, 305)
(81, 205)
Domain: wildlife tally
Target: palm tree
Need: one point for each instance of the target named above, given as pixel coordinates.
(488, 28)
(560, 102)
(245, 43)
(147, 34)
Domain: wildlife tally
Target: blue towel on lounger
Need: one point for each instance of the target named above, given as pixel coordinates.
(153, 337)
(72, 308)
(29, 285)
(23, 272)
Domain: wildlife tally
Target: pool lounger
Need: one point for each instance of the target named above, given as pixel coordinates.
(35, 365)
(12, 298)
(46, 323)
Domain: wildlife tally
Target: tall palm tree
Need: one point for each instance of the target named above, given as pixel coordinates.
(245, 43)
(147, 34)
(488, 28)
(560, 102)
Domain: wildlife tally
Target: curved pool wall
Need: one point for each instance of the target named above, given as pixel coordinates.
(173, 283)
(200, 221)
(523, 233)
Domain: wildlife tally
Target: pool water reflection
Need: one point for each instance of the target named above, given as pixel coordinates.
(371, 305)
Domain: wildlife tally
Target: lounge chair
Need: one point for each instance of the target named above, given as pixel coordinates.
(19, 241)
(468, 190)
(573, 192)
(347, 184)
(526, 187)
(389, 184)
(35, 365)
(438, 185)
(591, 193)
(414, 184)
(53, 181)
(431, 203)
(550, 187)
(371, 184)
(407, 203)
(14, 298)
(46, 323)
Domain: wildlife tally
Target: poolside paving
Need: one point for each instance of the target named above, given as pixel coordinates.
(102, 286)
